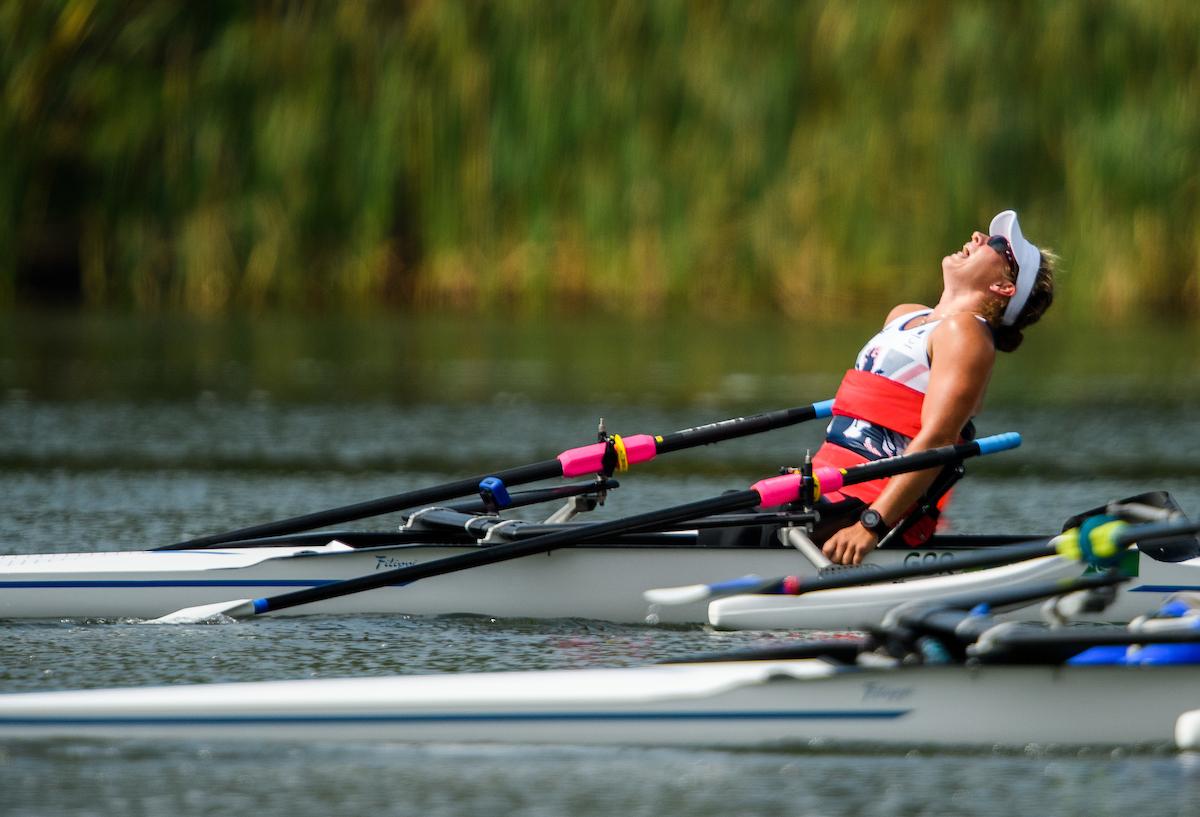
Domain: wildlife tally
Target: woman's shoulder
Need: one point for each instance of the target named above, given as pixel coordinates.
(966, 333)
(968, 322)
(902, 310)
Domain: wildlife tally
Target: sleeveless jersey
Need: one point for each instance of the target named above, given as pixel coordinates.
(902, 356)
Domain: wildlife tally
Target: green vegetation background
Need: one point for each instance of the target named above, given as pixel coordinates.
(637, 155)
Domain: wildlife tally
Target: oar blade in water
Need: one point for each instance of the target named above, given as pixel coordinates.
(220, 611)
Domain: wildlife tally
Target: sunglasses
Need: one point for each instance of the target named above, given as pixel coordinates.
(1000, 244)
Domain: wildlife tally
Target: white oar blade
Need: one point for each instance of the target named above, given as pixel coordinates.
(687, 594)
(690, 593)
(239, 608)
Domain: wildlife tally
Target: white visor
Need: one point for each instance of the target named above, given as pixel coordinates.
(1029, 259)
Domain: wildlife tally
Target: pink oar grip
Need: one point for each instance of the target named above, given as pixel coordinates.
(587, 459)
(830, 479)
(778, 490)
(640, 448)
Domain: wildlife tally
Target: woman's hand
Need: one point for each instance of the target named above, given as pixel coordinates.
(850, 545)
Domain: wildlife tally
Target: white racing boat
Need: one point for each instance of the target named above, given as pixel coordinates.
(596, 581)
(903, 687)
(603, 582)
(742, 704)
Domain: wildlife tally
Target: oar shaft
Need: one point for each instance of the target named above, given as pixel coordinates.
(741, 427)
(1156, 530)
(737, 500)
(374, 507)
(570, 463)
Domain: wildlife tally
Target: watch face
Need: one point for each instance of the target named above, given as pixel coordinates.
(872, 520)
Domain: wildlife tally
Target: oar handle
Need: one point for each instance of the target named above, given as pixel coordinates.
(832, 479)
(786, 488)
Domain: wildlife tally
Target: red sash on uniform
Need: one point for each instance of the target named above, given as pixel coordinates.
(880, 401)
(883, 402)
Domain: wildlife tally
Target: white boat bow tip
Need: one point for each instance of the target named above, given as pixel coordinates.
(1187, 731)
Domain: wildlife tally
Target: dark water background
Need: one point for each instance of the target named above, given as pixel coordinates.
(118, 432)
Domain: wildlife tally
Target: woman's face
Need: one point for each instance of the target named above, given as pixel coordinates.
(977, 263)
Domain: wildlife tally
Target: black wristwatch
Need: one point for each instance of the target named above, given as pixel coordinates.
(873, 521)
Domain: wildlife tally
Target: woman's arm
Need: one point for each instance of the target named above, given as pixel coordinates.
(962, 356)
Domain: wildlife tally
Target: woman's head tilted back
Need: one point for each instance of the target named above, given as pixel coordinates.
(1031, 272)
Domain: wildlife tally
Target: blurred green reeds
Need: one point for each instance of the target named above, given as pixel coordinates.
(629, 155)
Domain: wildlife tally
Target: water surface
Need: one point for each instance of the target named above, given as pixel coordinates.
(121, 432)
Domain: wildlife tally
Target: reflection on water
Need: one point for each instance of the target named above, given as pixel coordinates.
(123, 432)
(565, 360)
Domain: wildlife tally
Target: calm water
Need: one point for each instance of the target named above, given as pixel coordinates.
(117, 432)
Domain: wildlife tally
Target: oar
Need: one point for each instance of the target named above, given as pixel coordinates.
(1066, 544)
(598, 458)
(517, 499)
(769, 492)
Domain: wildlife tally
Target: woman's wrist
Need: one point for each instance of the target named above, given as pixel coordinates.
(874, 522)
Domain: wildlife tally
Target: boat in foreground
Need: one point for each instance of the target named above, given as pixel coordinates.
(938, 675)
(792, 703)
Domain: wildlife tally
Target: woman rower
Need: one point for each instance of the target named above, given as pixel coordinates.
(917, 384)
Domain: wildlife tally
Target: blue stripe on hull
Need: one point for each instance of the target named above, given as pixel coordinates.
(89, 584)
(516, 717)
(1163, 588)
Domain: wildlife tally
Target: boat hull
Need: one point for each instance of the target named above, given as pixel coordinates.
(760, 704)
(861, 607)
(603, 582)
